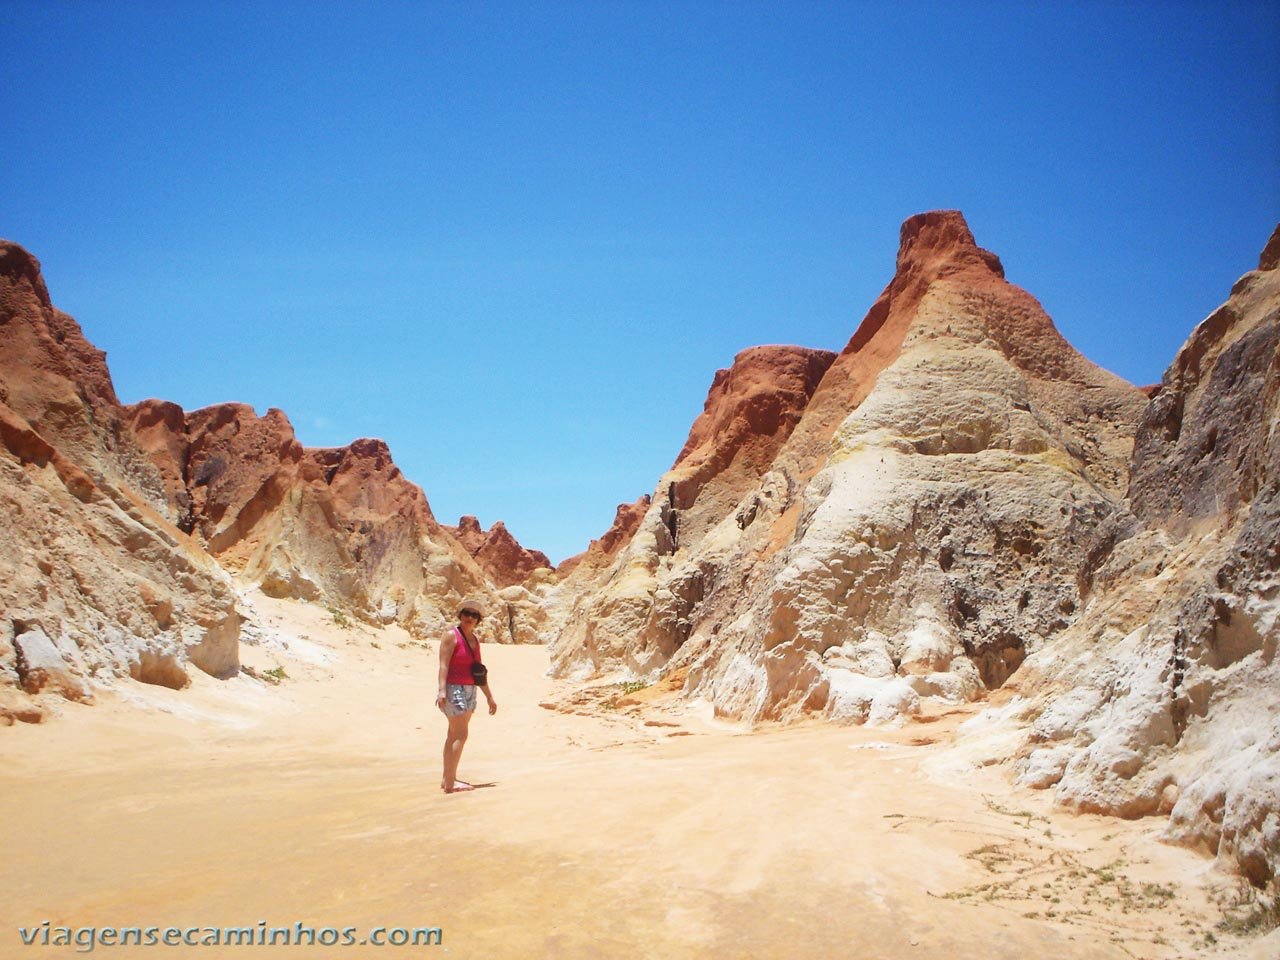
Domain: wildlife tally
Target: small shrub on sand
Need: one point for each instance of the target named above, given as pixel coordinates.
(1252, 912)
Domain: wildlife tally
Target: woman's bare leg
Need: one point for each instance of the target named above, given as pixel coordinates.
(454, 741)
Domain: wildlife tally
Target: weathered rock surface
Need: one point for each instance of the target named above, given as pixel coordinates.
(1164, 697)
(599, 553)
(497, 552)
(750, 411)
(961, 504)
(955, 502)
(582, 574)
(469, 533)
(124, 524)
(97, 581)
(915, 519)
(41, 665)
(337, 525)
(520, 578)
(322, 524)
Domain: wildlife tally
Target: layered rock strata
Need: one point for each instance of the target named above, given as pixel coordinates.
(124, 525)
(634, 612)
(579, 576)
(498, 553)
(600, 552)
(340, 525)
(913, 527)
(97, 581)
(1164, 697)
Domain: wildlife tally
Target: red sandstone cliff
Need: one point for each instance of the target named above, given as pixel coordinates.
(123, 523)
(97, 580)
(342, 524)
(499, 554)
(968, 374)
(626, 521)
(750, 412)
(939, 259)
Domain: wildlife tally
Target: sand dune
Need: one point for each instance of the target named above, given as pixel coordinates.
(648, 830)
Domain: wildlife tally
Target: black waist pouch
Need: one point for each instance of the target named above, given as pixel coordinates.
(480, 674)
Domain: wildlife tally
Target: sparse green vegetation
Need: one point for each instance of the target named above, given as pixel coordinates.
(1060, 886)
(1027, 816)
(624, 688)
(991, 856)
(1251, 912)
(340, 618)
(274, 675)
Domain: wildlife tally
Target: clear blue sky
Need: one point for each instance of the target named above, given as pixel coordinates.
(516, 240)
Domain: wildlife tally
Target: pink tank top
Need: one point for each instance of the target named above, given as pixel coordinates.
(460, 663)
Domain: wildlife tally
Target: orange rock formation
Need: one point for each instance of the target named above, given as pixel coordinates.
(124, 523)
(499, 553)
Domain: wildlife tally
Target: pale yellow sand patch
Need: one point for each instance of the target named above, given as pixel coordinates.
(649, 830)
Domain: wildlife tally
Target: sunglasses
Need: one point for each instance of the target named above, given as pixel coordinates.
(472, 614)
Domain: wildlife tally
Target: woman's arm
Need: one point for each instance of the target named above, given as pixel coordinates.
(446, 655)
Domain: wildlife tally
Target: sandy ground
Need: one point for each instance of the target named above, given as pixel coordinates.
(649, 830)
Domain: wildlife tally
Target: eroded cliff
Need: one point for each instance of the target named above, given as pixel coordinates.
(956, 502)
(97, 582)
(1164, 696)
(912, 527)
(129, 530)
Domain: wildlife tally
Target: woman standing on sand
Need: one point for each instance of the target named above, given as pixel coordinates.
(460, 673)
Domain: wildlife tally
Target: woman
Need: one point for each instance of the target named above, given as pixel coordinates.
(459, 649)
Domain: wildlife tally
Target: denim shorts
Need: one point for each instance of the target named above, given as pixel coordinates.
(459, 698)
